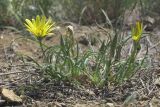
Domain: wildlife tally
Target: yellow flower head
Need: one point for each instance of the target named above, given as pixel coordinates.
(137, 31)
(40, 27)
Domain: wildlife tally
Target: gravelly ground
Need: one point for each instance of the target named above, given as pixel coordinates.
(24, 78)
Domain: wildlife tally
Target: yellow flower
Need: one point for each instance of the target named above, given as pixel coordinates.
(40, 27)
(137, 31)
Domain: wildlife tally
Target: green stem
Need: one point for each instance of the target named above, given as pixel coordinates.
(132, 58)
(41, 46)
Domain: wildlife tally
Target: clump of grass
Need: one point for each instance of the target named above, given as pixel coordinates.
(65, 62)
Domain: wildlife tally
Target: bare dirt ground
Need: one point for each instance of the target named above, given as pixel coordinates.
(18, 73)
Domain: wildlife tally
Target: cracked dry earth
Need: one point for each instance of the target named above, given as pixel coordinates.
(17, 73)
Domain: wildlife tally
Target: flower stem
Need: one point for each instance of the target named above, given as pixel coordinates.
(41, 46)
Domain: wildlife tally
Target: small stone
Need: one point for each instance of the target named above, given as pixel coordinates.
(149, 19)
(59, 94)
(144, 97)
(10, 96)
(57, 104)
(155, 102)
(38, 104)
(1, 37)
(90, 92)
(149, 22)
(110, 105)
(81, 105)
(157, 82)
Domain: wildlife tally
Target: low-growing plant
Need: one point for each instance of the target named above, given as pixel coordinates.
(110, 66)
(65, 62)
(60, 62)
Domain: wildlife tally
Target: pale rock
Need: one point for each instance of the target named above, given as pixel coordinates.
(157, 82)
(10, 96)
(110, 105)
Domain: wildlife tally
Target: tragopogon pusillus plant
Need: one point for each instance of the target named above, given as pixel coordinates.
(136, 34)
(40, 28)
(128, 67)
